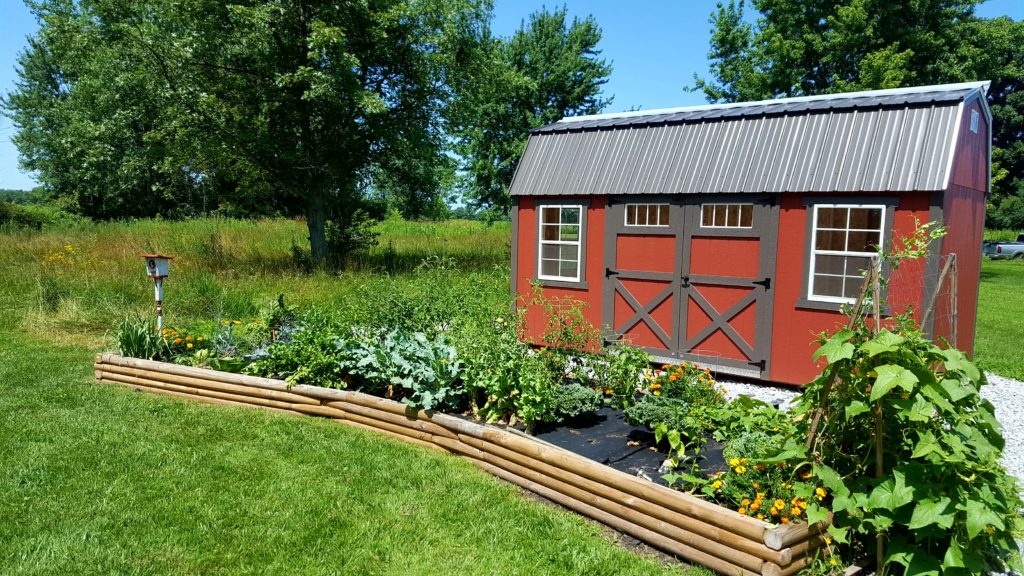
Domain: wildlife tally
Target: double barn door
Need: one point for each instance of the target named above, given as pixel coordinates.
(692, 280)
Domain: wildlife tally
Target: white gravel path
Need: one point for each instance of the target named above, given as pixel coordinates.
(1006, 394)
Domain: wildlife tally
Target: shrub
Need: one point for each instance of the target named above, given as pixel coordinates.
(755, 445)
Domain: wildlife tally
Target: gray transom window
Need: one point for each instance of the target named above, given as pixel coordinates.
(647, 215)
(727, 216)
(560, 230)
(845, 237)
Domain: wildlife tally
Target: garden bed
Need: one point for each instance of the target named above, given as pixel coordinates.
(679, 523)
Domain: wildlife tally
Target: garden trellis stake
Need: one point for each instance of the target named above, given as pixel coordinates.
(157, 268)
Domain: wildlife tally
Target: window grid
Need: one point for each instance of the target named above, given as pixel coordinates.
(560, 242)
(647, 215)
(844, 239)
(727, 216)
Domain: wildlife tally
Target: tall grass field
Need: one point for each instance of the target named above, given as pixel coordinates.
(97, 479)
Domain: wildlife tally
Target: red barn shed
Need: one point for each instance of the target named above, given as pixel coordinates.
(730, 234)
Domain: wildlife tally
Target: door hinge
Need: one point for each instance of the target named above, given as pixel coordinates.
(760, 364)
(767, 283)
(608, 272)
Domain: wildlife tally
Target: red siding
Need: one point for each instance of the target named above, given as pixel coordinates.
(964, 215)
(795, 330)
(526, 269)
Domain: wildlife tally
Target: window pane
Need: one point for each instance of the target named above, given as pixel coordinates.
(663, 215)
(863, 241)
(570, 215)
(549, 267)
(719, 215)
(733, 219)
(852, 286)
(855, 265)
(630, 214)
(866, 218)
(550, 232)
(568, 252)
(707, 215)
(570, 233)
(832, 217)
(828, 285)
(568, 268)
(827, 264)
(830, 240)
(550, 215)
(641, 215)
(549, 251)
(747, 215)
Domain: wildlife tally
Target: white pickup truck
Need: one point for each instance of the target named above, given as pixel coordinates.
(1011, 250)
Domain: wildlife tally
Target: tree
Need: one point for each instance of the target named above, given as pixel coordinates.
(287, 106)
(546, 70)
(806, 47)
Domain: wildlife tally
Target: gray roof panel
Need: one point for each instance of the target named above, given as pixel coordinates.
(893, 141)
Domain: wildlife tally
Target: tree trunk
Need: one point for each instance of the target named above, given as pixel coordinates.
(316, 221)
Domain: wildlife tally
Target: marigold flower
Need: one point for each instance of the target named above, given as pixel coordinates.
(756, 505)
(774, 511)
(821, 492)
(746, 502)
(742, 510)
(740, 469)
(784, 520)
(716, 484)
(780, 504)
(188, 338)
(756, 487)
(189, 345)
(760, 495)
(177, 340)
(657, 392)
(806, 475)
(734, 462)
(794, 511)
(760, 516)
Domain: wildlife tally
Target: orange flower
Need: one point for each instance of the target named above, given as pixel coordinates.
(779, 504)
(784, 520)
(746, 502)
(794, 511)
(742, 510)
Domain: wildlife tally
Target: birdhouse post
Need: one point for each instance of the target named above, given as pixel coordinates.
(157, 268)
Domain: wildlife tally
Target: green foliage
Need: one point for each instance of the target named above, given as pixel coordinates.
(549, 68)
(425, 372)
(807, 47)
(756, 445)
(133, 109)
(138, 337)
(941, 452)
(573, 400)
(650, 411)
(620, 373)
(311, 356)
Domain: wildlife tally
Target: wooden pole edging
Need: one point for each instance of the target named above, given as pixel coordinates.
(679, 523)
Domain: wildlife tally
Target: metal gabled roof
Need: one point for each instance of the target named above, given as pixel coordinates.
(887, 140)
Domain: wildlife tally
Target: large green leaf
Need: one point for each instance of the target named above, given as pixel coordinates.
(855, 408)
(837, 347)
(890, 376)
(956, 389)
(921, 410)
(979, 517)
(891, 494)
(930, 511)
(927, 444)
(886, 341)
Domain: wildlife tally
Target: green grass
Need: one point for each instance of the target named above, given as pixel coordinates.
(97, 479)
(999, 337)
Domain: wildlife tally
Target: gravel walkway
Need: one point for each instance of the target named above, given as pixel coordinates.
(1006, 394)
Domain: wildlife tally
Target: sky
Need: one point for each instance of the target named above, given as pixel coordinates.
(655, 48)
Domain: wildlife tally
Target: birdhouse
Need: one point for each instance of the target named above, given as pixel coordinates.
(156, 265)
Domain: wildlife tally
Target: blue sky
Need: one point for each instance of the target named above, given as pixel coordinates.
(655, 48)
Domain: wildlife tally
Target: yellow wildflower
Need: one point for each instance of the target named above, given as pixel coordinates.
(734, 462)
(716, 484)
(740, 469)
(189, 345)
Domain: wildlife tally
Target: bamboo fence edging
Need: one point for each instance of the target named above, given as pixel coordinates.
(679, 523)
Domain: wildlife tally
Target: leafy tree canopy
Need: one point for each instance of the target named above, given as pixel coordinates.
(548, 69)
(139, 107)
(806, 47)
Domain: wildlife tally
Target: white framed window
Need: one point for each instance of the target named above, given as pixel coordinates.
(560, 242)
(727, 216)
(844, 239)
(647, 215)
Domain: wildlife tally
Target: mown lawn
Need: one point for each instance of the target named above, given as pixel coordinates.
(97, 479)
(999, 340)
